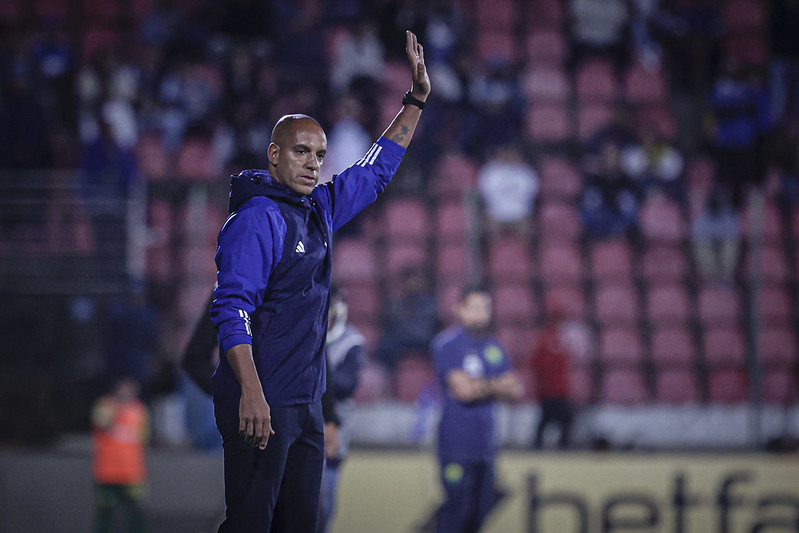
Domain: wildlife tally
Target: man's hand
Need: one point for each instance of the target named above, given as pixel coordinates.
(255, 419)
(331, 440)
(421, 81)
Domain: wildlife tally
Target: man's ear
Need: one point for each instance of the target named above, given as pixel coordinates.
(273, 153)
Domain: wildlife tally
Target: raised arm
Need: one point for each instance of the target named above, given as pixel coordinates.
(404, 124)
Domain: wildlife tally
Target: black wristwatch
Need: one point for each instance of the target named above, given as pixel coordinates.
(410, 99)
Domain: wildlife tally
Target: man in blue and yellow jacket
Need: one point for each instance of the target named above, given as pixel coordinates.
(270, 310)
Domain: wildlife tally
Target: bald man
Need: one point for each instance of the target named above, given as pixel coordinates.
(270, 308)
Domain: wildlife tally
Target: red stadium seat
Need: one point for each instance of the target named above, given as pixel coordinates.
(779, 387)
(569, 300)
(747, 47)
(728, 386)
(676, 386)
(642, 85)
(546, 83)
(595, 81)
(373, 384)
(775, 304)
(402, 256)
(10, 11)
(560, 179)
(411, 376)
(662, 221)
(495, 14)
(672, 346)
(95, 40)
(496, 44)
(667, 303)
(581, 386)
(452, 221)
(591, 118)
(773, 264)
(616, 304)
(546, 13)
(777, 347)
(406, 219)
(612, 260)
(196, 161)
(509, 260)
(151, 158)
(724, 347)
(455, 174)
(623, 386)
(560, 221)
(664, 263)
(561, 264)
(659, 118)
(548, 123)
(772, 222)
(58, 9)
(363, 301)
(620, 347)
(514, 304)
(719, 306)
(517, 340)
(745, 14)
(447, 294)
(452, 262)
(101, 12)
(546, 47)
(354, 261)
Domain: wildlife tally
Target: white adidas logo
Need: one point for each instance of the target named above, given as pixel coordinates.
(300, 249)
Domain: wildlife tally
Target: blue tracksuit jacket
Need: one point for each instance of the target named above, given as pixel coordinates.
(273, 274)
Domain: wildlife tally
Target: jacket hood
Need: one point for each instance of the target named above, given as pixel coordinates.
(254, 182)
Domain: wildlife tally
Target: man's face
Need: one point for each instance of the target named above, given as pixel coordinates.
(474, 312)
(297, 157)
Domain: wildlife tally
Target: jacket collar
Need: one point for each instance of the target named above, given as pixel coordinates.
(255, 182)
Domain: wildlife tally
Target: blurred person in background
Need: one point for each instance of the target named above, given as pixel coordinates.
(610, 200)
(655, 165)
(120, 431)
(783, 28)
(599, 28)
(473, 373)
(271, 311)
(108, 172)
(508, 186)
(740, 120)
(131, 336)
(716, 236)
(410, 318)
(345, 354)
(550, 363)
(495, 106)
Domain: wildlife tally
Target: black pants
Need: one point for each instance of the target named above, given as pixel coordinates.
(556, 411)
(470, 493)
(277, 489)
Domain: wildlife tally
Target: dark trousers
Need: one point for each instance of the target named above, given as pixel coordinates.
(470, 494)
(277, 489)
(556, 411)
(110, 497)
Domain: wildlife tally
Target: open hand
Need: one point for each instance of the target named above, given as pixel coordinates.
(421, 81)
(255, 420)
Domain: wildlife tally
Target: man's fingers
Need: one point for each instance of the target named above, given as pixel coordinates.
(263, 432)
(412, 46)
(249, 429)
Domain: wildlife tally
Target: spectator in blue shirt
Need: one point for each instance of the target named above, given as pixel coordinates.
(474, 373)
